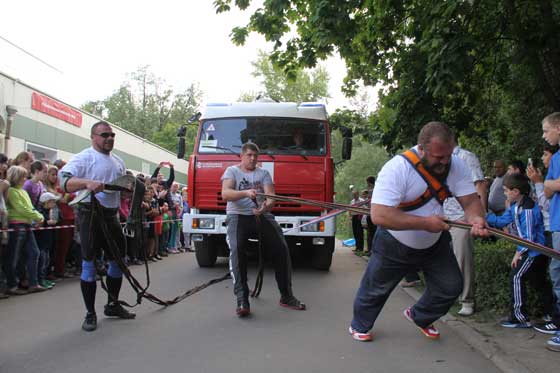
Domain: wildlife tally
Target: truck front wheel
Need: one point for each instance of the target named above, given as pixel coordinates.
(322, 255)
(206, 252)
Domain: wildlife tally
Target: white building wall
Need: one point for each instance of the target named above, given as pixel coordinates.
(18, 94)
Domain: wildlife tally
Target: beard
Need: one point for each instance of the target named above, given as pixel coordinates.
(438, 170)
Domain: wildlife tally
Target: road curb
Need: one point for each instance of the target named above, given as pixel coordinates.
(481, 343)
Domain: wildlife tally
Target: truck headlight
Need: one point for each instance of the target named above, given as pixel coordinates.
(203, 223)
(315, 227)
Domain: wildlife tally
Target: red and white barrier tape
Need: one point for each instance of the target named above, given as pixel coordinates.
(73, 226)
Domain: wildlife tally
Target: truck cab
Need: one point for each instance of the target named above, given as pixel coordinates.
(294, 142)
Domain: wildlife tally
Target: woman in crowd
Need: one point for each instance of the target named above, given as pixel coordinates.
(34, 186)
(21, 216)
(4, 185)
(51, 180)
(24, 159)
(3, 166)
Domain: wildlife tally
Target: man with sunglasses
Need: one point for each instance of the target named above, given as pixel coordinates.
(91, 169)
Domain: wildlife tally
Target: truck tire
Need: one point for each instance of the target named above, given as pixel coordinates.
(322, 255)
(206, 253)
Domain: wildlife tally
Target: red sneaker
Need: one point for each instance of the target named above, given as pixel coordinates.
(243, 308)
(292, 303)
(362, 337)
(429, 331)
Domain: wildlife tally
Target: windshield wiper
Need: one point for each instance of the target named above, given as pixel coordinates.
(289, 150)
(221, 148)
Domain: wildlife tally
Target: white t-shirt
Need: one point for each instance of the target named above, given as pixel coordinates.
(399, 182)
(353, 202)
(93, 165)
(451, 207)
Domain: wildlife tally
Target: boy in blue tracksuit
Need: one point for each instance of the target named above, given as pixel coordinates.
(527, 264)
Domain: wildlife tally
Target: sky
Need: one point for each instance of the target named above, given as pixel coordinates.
(93, 45)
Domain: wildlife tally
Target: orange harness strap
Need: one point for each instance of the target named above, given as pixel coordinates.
(435, 188)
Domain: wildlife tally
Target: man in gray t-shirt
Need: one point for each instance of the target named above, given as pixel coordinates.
(496, 197)
(256, 180)
(248, 216)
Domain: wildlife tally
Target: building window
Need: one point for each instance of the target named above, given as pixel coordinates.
(42, 153)
(146, 168)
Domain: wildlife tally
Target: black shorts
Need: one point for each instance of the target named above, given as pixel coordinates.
(92, 238)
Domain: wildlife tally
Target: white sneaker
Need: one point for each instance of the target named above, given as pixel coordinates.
(466, 310)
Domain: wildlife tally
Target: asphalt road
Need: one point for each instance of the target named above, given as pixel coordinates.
(41, 332)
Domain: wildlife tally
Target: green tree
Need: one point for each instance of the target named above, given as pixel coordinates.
(147, 106)
(300, 86)
(367, 159)
(438, 60)
(167, 137)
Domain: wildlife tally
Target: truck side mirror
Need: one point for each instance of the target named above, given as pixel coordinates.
(181, 144)
(346, 148)
(346, 142)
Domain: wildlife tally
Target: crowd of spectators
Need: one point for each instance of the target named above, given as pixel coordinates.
(39, 240)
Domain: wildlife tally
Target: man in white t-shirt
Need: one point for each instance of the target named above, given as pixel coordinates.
(416, 236)
(463, 244)
(91, 169)
(357, 229)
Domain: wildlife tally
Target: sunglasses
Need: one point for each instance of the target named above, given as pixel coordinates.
(106, 135)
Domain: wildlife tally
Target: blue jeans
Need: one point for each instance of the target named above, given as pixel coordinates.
(390, 261)
(171, 241)
(554, 269)
(163, 242)
(21, 241)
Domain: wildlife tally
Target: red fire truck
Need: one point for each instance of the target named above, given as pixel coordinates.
(295, 148)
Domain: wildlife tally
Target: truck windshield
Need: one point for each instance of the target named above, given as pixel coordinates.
(272, 135)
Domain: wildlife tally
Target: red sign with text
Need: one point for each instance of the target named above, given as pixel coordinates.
(56, 109)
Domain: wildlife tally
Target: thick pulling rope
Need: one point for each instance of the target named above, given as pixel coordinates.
(365, 211)
(142, 292)
(514, 239)
(97, 217)
(338, 208)
(260, 273)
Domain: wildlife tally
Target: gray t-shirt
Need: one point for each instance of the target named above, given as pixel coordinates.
(497, 197)
(256, 179)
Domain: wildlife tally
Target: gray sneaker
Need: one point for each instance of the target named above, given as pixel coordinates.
(90, 322)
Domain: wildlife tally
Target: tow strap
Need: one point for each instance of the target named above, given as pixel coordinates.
(365, 211)
(132, 229)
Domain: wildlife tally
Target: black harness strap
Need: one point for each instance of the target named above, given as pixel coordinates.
(260, 274)
(141, 292)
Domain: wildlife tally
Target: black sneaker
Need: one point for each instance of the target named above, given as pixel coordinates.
(547, 328)
(90, 322)
(117, 310)
(243, 308)
(291, 302)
